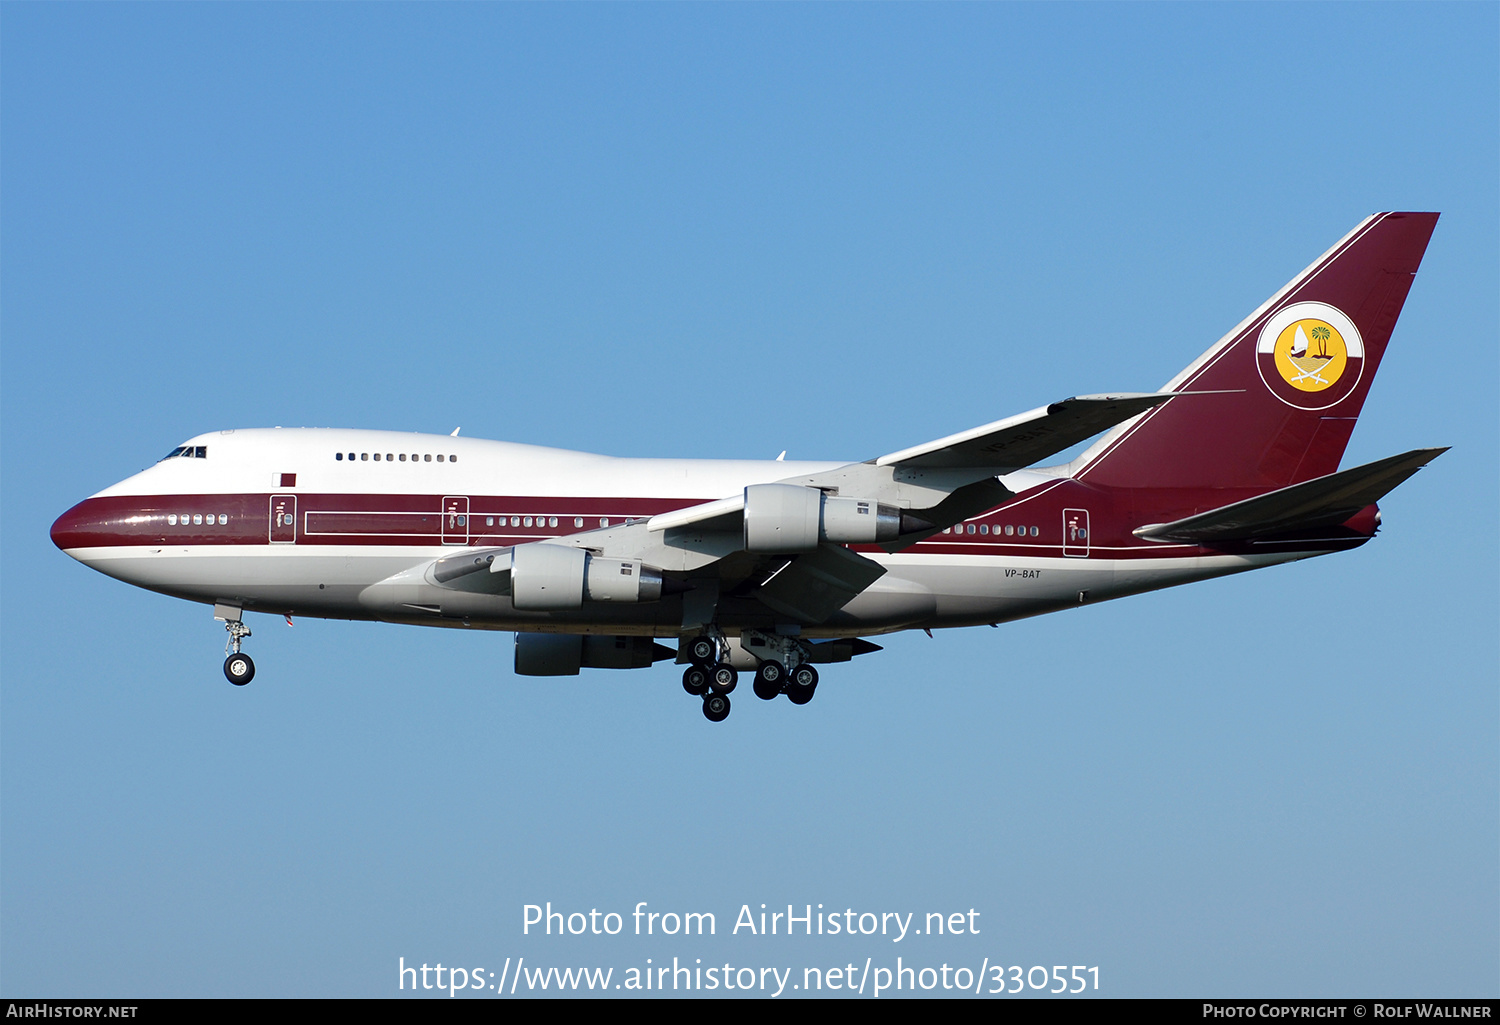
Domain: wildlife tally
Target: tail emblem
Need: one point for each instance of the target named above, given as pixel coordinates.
(1310, 355)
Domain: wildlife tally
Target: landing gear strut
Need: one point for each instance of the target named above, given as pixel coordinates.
(785, 669)
(239, 669)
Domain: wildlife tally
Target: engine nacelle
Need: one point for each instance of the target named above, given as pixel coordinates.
(793, 518)
(547, 577)
(566, 654)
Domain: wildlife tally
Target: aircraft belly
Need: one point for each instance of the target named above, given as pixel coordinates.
(321, 582)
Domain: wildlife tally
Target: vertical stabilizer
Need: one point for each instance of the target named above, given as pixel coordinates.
(1291, 378)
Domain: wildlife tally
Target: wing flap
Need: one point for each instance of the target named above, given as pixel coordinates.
(814, 586)
(1321, 502)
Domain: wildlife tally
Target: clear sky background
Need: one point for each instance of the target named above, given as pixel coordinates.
(730, 230)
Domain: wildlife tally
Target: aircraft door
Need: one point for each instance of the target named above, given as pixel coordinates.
(1076, 533)
(283, 519)
(455, 520)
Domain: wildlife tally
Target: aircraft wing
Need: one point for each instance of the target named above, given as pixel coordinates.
(709, 549)
(974, 455)
(1023, 440)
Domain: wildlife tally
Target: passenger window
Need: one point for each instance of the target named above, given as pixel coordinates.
(364, 456)
(577, 521)
(377, 457)
(390, 458)
(440, 459)
(223, 519)
(403, 457)
(171, 519)
(984, 528)
(1035, 531)
(197, 519)
(551, 520)
(453, 459)
(489, 521)
(526, 521)
(338, 455)
(604, 521)
(463, 521)
(427, 458)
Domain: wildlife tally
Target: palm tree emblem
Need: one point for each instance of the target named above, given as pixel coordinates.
(1320, 335)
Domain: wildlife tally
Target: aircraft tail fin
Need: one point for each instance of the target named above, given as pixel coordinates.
(1282, 391)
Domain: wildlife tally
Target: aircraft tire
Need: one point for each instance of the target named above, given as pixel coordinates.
(695, 680)
(769, 679)
(724, 678)
(239, 669)
(716, 707)
(703, 651)
(800, 695)
(804, 676)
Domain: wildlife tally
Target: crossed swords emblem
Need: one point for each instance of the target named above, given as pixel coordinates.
(1309, 367)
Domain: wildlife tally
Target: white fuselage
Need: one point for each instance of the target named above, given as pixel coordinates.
(342, 523)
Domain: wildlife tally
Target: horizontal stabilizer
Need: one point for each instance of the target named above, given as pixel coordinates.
(1321, 502)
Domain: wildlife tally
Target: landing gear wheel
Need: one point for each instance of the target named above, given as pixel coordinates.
(800, 695)
(238, 669)
(716, 707)
(769, 679)
(703, 650)
(695, 680)
(801, 684)
(724, 678)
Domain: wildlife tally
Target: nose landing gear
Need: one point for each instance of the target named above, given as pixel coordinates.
(239, 668)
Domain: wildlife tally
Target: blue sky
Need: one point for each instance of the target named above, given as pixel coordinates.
(730, 230)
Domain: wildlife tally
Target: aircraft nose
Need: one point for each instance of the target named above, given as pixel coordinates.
(71, 529)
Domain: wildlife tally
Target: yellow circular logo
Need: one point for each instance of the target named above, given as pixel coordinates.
(1310, 354)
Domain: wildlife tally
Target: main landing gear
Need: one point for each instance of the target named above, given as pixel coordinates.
(239, 669)
(711, 677)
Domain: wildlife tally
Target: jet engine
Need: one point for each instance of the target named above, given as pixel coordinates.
(547, 576)
(793, 518)
(565, 654)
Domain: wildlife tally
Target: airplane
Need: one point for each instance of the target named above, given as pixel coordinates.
(777, 567)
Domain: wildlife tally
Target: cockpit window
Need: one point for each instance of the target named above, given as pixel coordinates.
(187, 452)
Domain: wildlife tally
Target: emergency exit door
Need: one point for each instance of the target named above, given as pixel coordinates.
(1076, 533)
(283, 519)
(455, 520)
